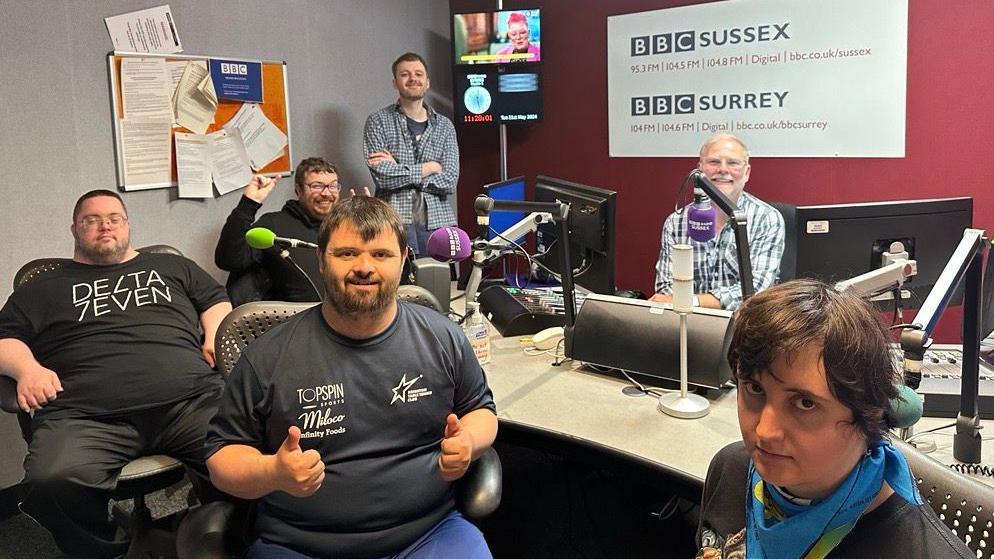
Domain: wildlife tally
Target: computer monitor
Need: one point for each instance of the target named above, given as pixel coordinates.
(591, 232)
(838, 242)
(510, 190)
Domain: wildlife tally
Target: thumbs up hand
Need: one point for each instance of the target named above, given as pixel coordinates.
(457, 450)
(297, 472)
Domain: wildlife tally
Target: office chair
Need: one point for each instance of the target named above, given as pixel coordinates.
(789, 260)
(139, 477)
(965, 506)
(40, 266)
(222, 529)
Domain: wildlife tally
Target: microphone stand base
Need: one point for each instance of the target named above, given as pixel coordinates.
(967, 440)
(690, 406)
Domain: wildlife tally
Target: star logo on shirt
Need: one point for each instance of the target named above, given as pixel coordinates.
(400, 391)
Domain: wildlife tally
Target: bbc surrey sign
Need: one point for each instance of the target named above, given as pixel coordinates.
(793, 78)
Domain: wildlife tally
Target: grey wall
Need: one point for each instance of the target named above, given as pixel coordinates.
(55, 125)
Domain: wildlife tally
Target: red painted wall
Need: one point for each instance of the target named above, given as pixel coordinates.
(949, 138)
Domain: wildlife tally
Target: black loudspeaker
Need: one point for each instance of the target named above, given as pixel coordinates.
(435, 277)
(643, 337)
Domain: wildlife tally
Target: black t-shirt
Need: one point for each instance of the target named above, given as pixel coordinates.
(896, 528)
(375, 409)
(121, 338)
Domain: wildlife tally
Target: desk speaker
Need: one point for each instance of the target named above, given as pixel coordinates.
(643, 337)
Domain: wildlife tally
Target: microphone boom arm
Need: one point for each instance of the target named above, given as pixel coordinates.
(560, 215)
(485, 251)
(965, 264)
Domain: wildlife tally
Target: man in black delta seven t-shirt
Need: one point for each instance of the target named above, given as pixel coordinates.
(107, 354)
(350, 421)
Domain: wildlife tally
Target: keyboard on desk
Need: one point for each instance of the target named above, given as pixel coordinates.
(515, 311)
(940, 386)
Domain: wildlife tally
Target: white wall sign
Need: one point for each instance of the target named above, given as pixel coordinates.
(792, 78)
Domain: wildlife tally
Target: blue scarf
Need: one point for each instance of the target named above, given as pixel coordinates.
(776, 528)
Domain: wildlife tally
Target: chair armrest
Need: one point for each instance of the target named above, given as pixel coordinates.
(211, 531)
(217, 530)
(478, 493)
(8, 395)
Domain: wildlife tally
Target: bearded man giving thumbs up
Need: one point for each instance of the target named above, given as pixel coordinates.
(350, 421)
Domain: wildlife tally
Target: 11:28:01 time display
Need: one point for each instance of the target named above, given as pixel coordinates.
(478, 118)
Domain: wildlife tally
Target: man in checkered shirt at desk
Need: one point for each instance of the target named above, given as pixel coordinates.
(725, 161)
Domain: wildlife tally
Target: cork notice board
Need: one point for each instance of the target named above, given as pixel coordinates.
(275, 106)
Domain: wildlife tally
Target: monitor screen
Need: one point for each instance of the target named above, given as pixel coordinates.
(497, 95)
(591, 230)
(511, 190)
(497, 37)
(838, 242)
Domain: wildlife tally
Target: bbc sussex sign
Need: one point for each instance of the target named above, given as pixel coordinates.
(793, 78)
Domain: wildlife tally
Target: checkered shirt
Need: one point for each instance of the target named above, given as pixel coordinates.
(397, 183)
(716, 265)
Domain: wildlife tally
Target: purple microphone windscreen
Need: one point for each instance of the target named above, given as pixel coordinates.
(449, 244)
(701, 219)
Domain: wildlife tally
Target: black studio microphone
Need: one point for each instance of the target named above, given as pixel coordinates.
(262, 238)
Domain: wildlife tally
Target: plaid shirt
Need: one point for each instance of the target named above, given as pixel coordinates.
(716, 265)
(396, 183)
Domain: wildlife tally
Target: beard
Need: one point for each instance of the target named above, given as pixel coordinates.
(353, 304)
(104, 253)
(412, 94)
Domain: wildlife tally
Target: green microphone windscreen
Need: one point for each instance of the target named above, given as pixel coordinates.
(260, 238)
(907, 408)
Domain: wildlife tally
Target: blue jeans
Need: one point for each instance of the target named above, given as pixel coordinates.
(417, 238)
(453, 536)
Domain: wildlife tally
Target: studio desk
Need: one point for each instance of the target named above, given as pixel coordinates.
(584, 415)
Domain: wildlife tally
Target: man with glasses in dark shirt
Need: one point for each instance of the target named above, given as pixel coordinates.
(112, 354)
(317, 189)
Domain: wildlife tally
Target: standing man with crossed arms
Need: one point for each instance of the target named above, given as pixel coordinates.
(350, 421)
(412, 154)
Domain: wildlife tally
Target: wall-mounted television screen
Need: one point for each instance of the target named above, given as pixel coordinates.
(497, 95)
(497, 37)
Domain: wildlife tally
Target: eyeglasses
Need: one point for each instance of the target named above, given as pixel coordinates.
(732, 164)
(317, 187)
(114, 220)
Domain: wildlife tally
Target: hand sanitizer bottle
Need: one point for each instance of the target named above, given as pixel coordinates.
(478, 333)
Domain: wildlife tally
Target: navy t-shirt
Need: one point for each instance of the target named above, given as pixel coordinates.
(375, 409)
(121, 338)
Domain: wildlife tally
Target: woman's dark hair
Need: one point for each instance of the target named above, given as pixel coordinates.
(854, 345)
